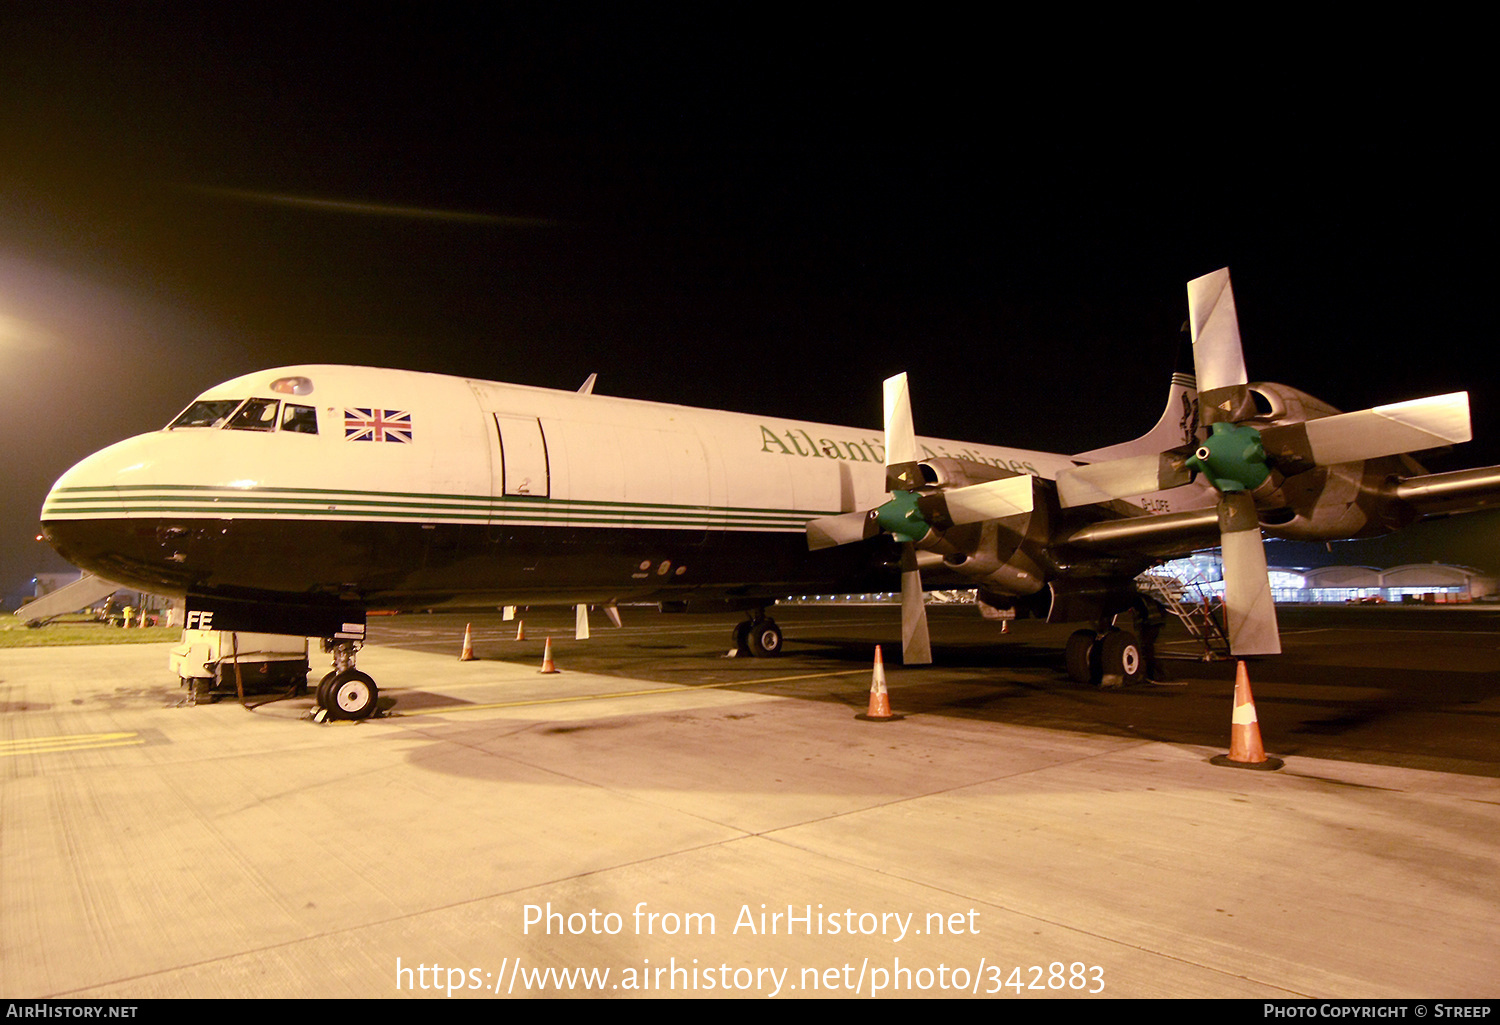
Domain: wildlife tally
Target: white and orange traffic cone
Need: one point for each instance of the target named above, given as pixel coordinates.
(547, 664)
(520, 629)
(468, 652)
(880, 698)
(1245, 749)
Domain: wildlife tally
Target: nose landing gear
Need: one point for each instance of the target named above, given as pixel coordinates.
(345, 694)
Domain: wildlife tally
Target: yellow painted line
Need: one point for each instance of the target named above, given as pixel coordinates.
(562, 699)
(73, 742)
(805, 676)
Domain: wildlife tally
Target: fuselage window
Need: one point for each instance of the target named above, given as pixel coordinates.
(255, 415)
(206, 413)
(301, 419)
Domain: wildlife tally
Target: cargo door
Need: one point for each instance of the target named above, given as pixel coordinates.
(524, 469)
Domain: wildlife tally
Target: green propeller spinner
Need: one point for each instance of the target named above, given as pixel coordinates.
(1233, 457)
(901, 518)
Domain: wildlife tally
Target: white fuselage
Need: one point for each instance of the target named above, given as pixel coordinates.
(438, 487)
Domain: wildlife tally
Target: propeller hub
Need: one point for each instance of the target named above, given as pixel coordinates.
(1232, 457)
(901, 518)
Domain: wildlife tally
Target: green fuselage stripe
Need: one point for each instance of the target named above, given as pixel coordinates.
(213, 495)
(302, 503)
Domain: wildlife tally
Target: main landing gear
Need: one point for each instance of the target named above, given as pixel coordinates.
(1111, 656)
(345, 693)
(1111, 659)
(759, 636)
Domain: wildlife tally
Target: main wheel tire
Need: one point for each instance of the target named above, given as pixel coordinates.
(1121, 659)
(1081, 657)
(742, 637)
(352, 695)
(764, 638)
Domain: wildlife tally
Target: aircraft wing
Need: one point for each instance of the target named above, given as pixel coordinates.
(1425, 496)
(1443, 494)
(1166, 531)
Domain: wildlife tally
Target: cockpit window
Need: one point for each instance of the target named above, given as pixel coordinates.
(255, 415)
(205, 413)
(301, 419)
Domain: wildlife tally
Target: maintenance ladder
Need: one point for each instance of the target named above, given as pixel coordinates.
(1187, 601)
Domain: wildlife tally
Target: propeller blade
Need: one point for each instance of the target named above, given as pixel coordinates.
(843, 529)
(1122, 478)
(1218, 360)
(901, 471)
(992, 500)
(916, 647)
(1433, 422)
(1248, 604)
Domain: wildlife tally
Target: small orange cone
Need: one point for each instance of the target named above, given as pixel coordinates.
(468, 653)
(880, 698)
(520, 629)
(547, 666)
(1245, 748)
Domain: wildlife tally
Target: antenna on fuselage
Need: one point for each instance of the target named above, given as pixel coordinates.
(587, 388)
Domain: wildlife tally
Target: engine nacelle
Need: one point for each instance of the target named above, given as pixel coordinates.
(1005, 556)
(1321, 503)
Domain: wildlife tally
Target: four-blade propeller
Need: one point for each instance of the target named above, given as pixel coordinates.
(1239, 458)
(1243, 457)
(916, 513)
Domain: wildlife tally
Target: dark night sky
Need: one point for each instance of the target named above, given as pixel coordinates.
(761, 212)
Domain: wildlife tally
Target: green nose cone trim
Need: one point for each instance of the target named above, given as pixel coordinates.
(901, 519)
(1232, 457)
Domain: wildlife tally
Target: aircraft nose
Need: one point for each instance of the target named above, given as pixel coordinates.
(95, 519)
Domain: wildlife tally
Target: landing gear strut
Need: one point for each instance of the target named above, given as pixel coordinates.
(346, 693)
(759, 636)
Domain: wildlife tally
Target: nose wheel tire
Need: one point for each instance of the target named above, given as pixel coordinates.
(349, 695)
(322, 692)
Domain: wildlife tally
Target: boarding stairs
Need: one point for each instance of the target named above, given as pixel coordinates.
(1187, 600)
(77, 595)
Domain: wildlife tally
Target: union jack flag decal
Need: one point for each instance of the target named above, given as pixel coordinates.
(377, 425)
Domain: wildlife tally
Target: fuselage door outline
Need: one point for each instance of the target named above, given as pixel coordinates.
(524, 470)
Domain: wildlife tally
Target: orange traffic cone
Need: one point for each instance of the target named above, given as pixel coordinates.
(547, 666)
(468, 653)
(520, 629)
(880, 698)
(1245, 748)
